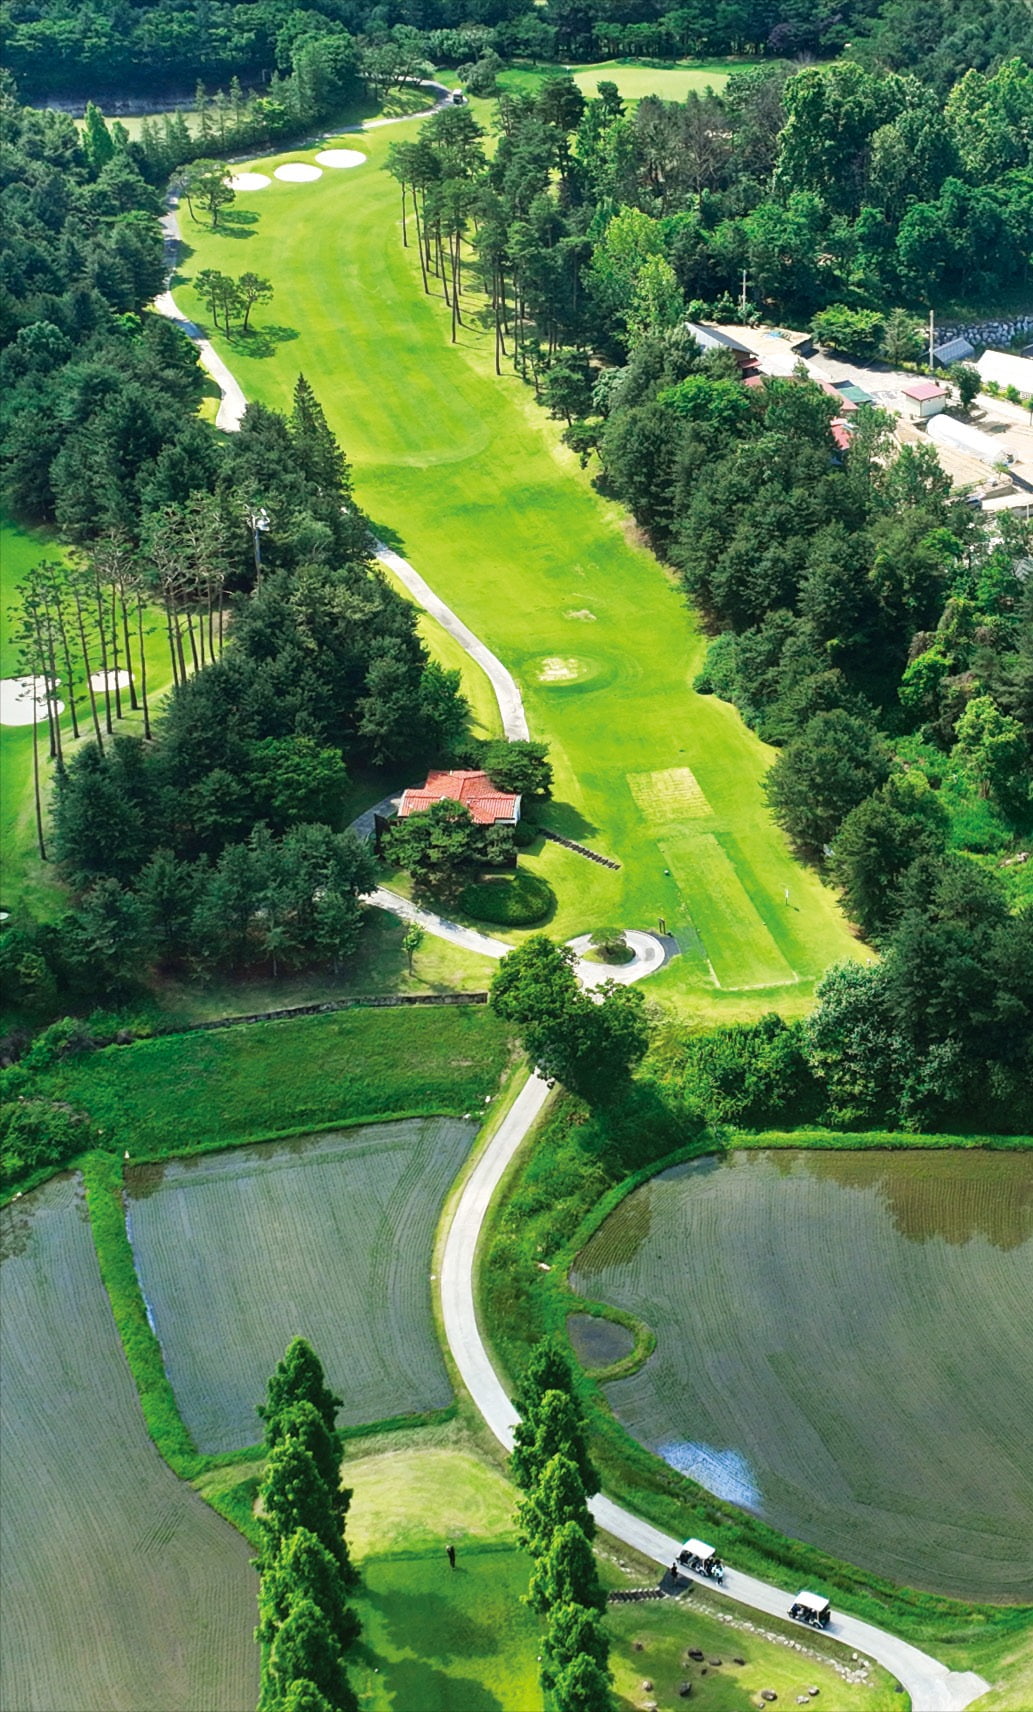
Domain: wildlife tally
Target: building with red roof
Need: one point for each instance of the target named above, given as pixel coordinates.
(488, 806)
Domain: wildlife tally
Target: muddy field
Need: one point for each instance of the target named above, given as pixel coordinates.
(120, 1588)
(845, 1347)
(328, 1238)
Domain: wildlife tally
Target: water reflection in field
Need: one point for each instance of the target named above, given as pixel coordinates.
(845, 1344)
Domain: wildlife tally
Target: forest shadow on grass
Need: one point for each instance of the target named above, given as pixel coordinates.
(262, 341)
(388, 536)
(435, 1627)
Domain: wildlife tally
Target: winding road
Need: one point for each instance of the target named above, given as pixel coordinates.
(930, 1684)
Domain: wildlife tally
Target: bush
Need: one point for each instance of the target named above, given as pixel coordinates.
(517, 901)
(610, 946)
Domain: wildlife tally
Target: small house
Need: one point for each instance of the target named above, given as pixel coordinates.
(488, 805)
(924, 398)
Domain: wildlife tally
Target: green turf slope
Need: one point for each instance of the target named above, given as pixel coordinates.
(463, 473)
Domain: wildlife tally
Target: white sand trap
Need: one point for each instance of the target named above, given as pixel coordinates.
(557, 671)
(23, 701)
(297, 172)
(109, 680)
(249, 181)
(341, 157)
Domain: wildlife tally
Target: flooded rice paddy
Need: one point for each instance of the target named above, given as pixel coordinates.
(119, 1587)
(845, 1347)
(327, 1238)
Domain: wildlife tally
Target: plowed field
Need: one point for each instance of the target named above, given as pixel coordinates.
(120, 1590)
(845, 1346)
(328, 1238)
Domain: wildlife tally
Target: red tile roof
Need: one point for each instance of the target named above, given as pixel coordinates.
(473, 789)
(925, 389)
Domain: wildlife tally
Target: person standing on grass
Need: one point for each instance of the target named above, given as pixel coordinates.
(451, 1553)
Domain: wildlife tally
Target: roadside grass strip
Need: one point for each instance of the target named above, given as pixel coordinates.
(120, 1588)
(329, 1239)
(843, 1347)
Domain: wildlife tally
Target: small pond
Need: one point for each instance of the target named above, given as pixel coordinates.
(598, 1342)
(845, 1347)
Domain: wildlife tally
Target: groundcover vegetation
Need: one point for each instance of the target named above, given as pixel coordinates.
(565, 1183)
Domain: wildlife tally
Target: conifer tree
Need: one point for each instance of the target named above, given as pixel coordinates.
(304, 1569)
(315, 446)
(570, 1630)
(294, 1496)
(555, 1429)
(305, 1651)
(558, 1496)
(566, 1573)
(303, 1424)
(298, 1378)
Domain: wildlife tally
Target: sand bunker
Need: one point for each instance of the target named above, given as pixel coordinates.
(557, 671)
(249, 181)
(109, 680)
(23, 701)
(298, 172)
(340, 157)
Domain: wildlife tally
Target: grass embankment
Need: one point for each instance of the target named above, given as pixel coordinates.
(462, 472)
(190, 1093)
(567, 1179)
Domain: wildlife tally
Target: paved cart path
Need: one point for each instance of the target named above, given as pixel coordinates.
(932, 1687)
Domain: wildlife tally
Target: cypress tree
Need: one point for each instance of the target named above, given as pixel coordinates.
(315, 446)
(298, 1378)
(304, 1569)
(555, 1429)
(582, 1686)
(294, 1496)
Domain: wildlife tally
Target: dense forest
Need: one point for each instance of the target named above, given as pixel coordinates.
(111, 47)
(877, 628)
(212, 842)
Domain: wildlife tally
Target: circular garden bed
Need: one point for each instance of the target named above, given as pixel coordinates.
(509, 900)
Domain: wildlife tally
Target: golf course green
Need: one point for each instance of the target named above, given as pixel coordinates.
(462, 472)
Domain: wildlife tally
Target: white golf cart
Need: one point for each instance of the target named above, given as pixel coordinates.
(811, 1608)
(702, 1559)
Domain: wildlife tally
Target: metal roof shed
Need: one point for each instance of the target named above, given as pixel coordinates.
(856, 394)
(953, 351)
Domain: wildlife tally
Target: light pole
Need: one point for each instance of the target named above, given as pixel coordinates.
(257, 519)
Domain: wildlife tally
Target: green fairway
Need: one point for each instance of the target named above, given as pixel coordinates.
(327, 1238)
(882, 1384)
(464, 474)
(121, 1590)
(193, 1092)
(671, 79)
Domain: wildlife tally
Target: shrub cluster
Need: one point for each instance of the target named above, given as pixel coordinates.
(305, 1625)
(551, 1465)
(519, 901)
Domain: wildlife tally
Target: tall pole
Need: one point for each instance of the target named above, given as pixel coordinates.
(742, 295)
(932, 338)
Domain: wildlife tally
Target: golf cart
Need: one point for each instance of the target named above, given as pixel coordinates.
(703, 1559)
(811, 1608)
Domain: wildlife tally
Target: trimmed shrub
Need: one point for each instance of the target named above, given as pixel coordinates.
(519, 900)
